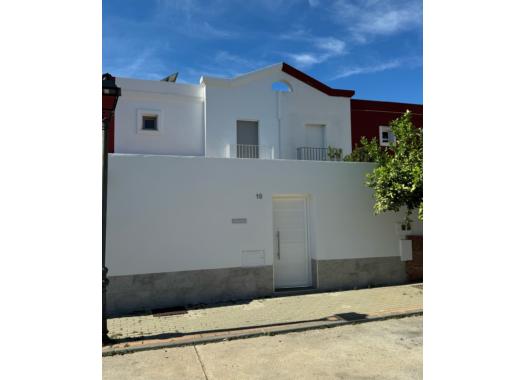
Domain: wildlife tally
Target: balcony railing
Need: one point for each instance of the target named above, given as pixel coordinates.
(250, 151)
(312, 154)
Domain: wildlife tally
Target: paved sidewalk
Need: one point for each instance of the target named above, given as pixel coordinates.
(246, 317)
(391, 349)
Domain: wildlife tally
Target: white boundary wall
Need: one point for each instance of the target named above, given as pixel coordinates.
(170, 213)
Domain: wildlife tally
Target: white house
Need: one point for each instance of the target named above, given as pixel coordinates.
(223, 191)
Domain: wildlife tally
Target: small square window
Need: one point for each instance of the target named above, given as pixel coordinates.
(149, 123)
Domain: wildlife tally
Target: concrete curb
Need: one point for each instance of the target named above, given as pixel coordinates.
(274, 330)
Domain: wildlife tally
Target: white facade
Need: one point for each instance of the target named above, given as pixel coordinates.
(168, 214)
(188, 222)
(180, 109)
(282, 116)
(200, 120)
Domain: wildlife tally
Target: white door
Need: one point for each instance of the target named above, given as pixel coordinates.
(291, 263)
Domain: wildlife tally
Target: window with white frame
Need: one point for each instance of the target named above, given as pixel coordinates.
(386, 136)
(149, 121)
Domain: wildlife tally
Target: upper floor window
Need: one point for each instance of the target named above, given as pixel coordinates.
(281, 86)
(149, 123)
(386, 136)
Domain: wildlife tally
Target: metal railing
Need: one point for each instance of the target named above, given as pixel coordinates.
(312, 154)
(250, 151)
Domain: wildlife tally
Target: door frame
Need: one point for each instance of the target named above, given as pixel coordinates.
(306, 199)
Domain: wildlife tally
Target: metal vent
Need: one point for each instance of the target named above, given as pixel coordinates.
(253, 258)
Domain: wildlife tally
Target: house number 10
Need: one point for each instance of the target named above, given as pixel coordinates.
(259, 195)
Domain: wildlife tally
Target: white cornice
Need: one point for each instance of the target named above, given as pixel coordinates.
(241, 79)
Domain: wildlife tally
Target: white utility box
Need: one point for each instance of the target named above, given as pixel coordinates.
(405, 250)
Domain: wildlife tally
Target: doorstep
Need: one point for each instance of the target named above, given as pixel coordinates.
(283, 292)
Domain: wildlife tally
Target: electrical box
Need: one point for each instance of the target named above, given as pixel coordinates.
(405, 250)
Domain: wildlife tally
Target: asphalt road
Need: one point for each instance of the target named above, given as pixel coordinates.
(390, 349)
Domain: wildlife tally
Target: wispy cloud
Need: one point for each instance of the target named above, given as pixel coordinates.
(332, 45)
(129, 63)
(367, 19)
(206, 30)
(306, 59)
(182, 8)
(323, 48)
(375, 68)
(368, 69)
(224, 57)
(212, 71)
(225, 64)
(296, 34)
(188, 17)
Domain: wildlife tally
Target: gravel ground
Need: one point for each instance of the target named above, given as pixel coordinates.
(390, 349)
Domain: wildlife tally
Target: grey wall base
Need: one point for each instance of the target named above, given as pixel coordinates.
(358, 273)
(141, 292)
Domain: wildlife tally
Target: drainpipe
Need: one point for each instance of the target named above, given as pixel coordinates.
(110, 93)
(279, 122)
(105, 281)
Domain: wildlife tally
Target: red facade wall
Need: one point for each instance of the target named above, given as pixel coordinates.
(368, 115)
(107, 103)
(414, 267)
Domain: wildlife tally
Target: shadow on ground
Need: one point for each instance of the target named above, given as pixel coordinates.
(337, 317)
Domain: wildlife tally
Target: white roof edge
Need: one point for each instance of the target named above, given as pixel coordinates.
(157, 81)
(168, 87)
(158, 86)
(252, 74)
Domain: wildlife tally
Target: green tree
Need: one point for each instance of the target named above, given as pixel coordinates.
(397, 180)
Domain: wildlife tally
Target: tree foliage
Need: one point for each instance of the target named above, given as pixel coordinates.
(368, 151)
(397, 180)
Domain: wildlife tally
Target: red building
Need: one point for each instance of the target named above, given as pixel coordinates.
(370, 118)
(107, 103)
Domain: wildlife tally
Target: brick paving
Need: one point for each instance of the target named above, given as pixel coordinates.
(270, 311)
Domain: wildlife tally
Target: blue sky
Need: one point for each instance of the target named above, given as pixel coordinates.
(373, 47)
